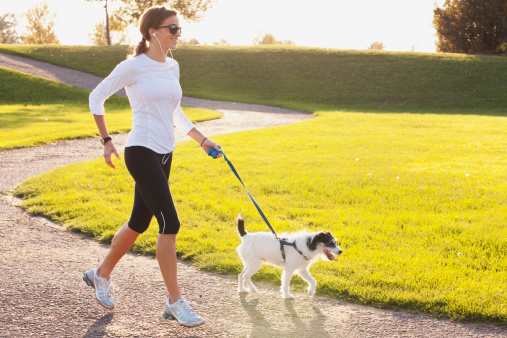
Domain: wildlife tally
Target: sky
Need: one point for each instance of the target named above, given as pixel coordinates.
(401, 25)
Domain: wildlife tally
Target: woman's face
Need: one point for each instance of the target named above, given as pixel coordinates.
(164, 35)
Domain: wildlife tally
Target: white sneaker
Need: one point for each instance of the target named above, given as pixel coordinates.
(103, 288)
(183, 313)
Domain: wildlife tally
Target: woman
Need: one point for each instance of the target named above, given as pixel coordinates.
(151, 80)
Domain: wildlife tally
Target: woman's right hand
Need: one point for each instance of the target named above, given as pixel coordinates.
(108, 150)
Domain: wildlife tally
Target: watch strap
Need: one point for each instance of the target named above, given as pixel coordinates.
(105, 140)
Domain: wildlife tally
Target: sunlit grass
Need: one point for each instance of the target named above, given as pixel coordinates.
(36, 111)
(417, 203)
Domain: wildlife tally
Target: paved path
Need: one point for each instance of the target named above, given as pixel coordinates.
(41, 265)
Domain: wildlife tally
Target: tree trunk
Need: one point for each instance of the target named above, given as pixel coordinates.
(108, 38)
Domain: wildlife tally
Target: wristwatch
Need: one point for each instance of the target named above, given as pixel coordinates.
(104, 140)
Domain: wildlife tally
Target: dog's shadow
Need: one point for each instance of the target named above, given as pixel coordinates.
(264, 325)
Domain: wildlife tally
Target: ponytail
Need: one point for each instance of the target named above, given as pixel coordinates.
(141, 47)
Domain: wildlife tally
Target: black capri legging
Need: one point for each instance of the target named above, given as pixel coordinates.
(150, 171)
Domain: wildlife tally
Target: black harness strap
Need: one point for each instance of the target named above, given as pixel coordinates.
(283, 242)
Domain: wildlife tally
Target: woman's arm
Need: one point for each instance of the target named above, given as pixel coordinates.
(121, 76)
(205, 143)
(109, 148)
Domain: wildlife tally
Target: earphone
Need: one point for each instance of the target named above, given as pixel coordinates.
(155, 35)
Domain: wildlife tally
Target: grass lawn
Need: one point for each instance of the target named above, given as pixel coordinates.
(37, 111)
(404, 164)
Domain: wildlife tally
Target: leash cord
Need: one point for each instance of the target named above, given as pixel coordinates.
(213, 153)
(255, 203)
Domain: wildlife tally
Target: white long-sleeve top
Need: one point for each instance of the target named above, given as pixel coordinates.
(154, 92)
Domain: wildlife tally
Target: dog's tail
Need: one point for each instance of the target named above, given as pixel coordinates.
(241, 226)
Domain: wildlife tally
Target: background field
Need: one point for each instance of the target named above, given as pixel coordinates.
(312, 79)
(415, 194)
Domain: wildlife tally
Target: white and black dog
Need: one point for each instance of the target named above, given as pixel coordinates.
(262, 247)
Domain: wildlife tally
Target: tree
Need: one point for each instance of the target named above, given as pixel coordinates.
(107, 28)
(265, 39)
(269, 39)
(191, 42)
(7, 29)
(377, 45)
(117, 33)
(191, 10)
(471, 26)
(221, 42)
(41, 21)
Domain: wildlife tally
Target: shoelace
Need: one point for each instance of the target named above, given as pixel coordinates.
(111, 287)
(187, 308)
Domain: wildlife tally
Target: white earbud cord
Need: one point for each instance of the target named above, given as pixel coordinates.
(164, 55)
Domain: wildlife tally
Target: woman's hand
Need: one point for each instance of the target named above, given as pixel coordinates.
(108, 150)
(208, 144)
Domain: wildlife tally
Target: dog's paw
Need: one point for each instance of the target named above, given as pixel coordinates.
(311, 291)
(242, 290)
(288, 296)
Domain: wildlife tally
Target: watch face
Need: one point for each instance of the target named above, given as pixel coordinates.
(102, 141)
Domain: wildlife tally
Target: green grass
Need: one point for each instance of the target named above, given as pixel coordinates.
(311, 79)
(404, 164)
(37, 111)
(417, 203)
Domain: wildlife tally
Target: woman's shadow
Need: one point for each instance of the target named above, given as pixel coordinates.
(98, 329)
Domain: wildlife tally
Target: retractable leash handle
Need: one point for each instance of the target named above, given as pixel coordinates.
(213, 153)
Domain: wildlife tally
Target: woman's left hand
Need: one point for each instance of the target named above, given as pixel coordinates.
(208, 144)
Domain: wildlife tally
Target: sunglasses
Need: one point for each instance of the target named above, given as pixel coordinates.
(172, 28)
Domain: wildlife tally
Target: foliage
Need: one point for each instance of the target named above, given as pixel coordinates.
(117, 33)
(269, 39)
(221, 42)
(103, 27)
(417, 203)
(377, 45)
(471, 26)
(368, 81)
(8, 32)
(191, 10)
(191, 42)
(41, 23)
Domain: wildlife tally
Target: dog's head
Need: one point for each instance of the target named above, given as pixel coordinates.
(325, 244)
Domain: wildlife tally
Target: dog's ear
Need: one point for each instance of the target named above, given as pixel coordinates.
(312, 242)
(321, 237)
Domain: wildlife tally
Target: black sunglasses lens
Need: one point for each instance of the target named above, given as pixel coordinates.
(174, 29)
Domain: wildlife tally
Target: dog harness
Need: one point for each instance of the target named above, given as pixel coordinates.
(283, 242)
(214, 153)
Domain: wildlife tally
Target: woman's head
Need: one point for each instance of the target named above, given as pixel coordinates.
(159, 21)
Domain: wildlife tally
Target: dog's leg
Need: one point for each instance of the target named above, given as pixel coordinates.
(241, 281)
(312, 283)
(250, 270)
(286, 277)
